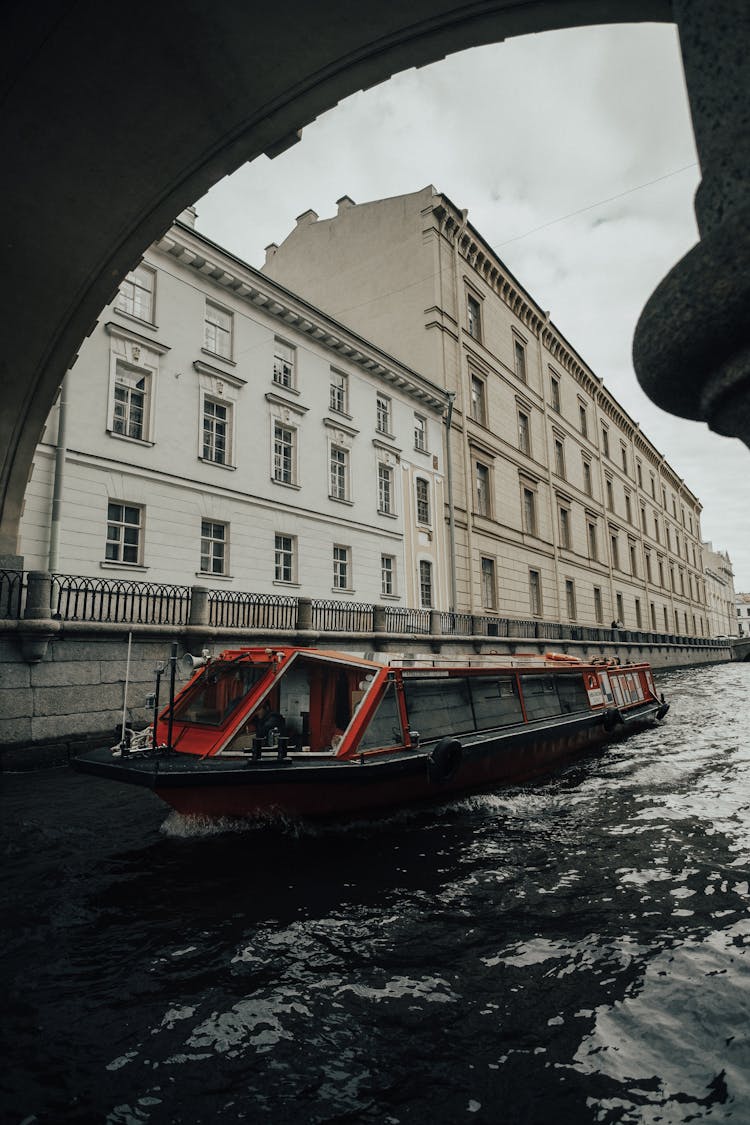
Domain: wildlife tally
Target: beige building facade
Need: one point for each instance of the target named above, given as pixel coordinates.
(742, 615)
(562, 510)
(720, 593)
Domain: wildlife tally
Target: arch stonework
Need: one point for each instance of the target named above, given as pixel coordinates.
(113, 123)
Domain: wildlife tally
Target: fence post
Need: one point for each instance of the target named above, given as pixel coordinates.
(435, 625)
(304, 614)
(198, 606)
(38, 594)
(379, 624)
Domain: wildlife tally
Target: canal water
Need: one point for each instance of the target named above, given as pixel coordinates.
(573, 951)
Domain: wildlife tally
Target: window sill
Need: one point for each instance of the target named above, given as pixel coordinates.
(421, 449)
(133, 440)
(343, 590)
(107, 564)
(219, 577)
(289, 585)
(388, 515)
(341, 500)
(135, 319)
(283, 387)
(286, 484)
(339, 413)
(390, 597)
(217, 355)
(217, 464)
(385, 434)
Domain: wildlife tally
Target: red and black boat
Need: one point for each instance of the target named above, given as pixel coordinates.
(310, 733)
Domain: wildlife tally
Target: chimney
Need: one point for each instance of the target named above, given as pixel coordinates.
(270, 251)
(188, 217)
(345, 203)
(306, 218)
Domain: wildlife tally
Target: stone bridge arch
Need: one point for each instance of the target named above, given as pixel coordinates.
(114, 121)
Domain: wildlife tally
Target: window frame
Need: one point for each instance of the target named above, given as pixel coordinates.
(474, 316)
(124, 524)
(425, 575)
(284, 367)
(209, 537)
(342, 569)
(338, 395)
(220, 331)
(536, 601)
(488, 582)
(339, 473)
(284, 555)
(386, 495)
(420, 433)
(422, 504)
(207, 398)
(388, 576)
(483, 489)
(386, 414)
(478, 401)
(131, 279)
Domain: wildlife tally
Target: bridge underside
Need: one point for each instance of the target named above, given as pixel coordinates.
(113, 123)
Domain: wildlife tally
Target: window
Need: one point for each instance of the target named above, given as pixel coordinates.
(420, 432)
(383, 414)
(628, 508)
(633, 558)
(656, 528)
(624, 456)
(284, 450)
(385, 489)
(284, 356)
(559, 458)
(638, 618)
(610, 491)
(519, 359)
(639, 473)
(652, 610)
(535, 593)
(653, 485)
(565, 528)
(666, 620)
(425, 584)
(570, 598)
(341, 568)
(664, 497)
(648, 566)
(339, 398)
(554, 386)
(583, 420)
(529, 511)
(387, 575)
(524, 442)
(598, 612)
(339, 473)
(218, 331)
(285, 552)
(587, 487)
(478, 410)
(131, 409)
(136, 296)
(123, 533)
(423, 500)
(216, 431)
(615, 550)
(620, 610)
(489, 594)
(213, 547)
(661, 572)
(605, 441)
(593, 548)
(474, 317)
(643, 517)
(483, 506)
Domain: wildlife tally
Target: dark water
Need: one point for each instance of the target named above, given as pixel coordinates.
(570, 952)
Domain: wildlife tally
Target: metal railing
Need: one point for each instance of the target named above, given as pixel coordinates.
(342, 617)
(402, 620)
(234, 609)
(116, 600)
(12, 593)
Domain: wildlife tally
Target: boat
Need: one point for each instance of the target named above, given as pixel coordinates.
(311, 733)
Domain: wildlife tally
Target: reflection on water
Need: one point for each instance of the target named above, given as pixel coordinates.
(573, 951)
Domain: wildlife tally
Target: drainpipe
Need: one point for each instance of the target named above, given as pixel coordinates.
(451, 511)
(60, 452)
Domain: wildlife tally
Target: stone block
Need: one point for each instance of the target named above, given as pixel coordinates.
(141, 671)
(84, 699)
(64, 726)
(90, 649)
(14, 703)
(13, 731)
(55, 673)
(14, 675)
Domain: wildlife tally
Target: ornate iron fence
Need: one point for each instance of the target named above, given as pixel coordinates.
(402, 620)
(114, 599)
(12, 593)
(342, 617)
(234, 609)
(453, 624)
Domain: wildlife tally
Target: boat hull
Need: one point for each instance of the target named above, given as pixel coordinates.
(333, 788)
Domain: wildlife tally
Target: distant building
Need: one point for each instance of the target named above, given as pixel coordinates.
(742, 607)
(223, 432)
(720, 595)
(564, 510)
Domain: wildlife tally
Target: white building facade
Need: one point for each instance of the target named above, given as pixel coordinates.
(564, 511)
(220, 431)
(742, 615)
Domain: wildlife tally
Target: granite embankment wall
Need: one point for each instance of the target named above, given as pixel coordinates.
(62, 684)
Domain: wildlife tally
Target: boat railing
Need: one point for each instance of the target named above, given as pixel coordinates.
(110, 600)
(235, 609)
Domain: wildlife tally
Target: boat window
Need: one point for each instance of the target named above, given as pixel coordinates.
(438, 707)
(572, 693)
(617, 690)
(384, 729)
(219, 691)
(495, 700)
(540, 697)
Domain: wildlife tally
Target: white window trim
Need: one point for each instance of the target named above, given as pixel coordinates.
(222, 400)
(349, 588)
(211, 303)
(347, 497)
(137, 352)
(149, 321)
(288, 425)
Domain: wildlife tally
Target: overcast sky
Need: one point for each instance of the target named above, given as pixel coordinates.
(524, 133)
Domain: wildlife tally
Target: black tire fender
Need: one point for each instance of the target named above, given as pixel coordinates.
(444, 760)
(612, 719)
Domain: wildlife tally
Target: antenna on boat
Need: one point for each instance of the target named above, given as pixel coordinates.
(172, 674)
(125, 693)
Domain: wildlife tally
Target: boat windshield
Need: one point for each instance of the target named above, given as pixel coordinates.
(218, 693)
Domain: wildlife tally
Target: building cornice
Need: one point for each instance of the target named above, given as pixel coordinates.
(216, 373)
(112, 328)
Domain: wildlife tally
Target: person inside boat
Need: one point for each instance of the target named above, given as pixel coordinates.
(266, 720)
